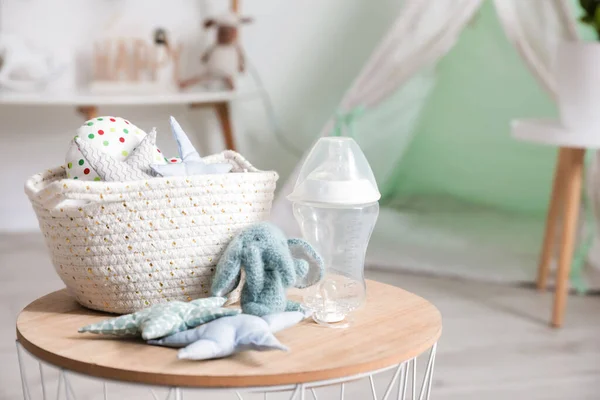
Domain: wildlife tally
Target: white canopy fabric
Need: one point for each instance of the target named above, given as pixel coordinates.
(420, 36)
(535, 27)
(423, 34)
(418, 39)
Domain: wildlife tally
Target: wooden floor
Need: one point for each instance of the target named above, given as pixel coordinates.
(496, 342)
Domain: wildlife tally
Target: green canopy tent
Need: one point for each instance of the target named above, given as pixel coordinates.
(431, 110)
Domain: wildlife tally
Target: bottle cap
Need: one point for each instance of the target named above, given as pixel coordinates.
(336, 172)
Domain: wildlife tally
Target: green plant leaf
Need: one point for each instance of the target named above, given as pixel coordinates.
(589, 6)
(596, 22)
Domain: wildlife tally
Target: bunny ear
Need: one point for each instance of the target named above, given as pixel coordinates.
(301, 249)
(228, 274)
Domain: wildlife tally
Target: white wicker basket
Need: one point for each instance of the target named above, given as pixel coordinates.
(123, 246)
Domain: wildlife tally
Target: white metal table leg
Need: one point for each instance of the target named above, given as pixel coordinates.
(68, 389)
(59, 385)
(414, 379)
(400, 378)
(24, 385)
(295, 392)
(373, 392)
(426, 387)
(153, 393)
(178, 393)
(393, 381)
(42, 380)
(433, 353)
(403, 381)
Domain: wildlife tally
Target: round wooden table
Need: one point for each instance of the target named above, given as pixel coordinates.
(390, 331)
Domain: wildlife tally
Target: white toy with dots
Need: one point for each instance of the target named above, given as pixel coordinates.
(113, 135)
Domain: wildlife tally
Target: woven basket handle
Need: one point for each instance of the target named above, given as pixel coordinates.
(54, 195)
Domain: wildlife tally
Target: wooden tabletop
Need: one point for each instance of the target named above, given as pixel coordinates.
(394, 326)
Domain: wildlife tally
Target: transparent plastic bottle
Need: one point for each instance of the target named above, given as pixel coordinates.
(335, 204)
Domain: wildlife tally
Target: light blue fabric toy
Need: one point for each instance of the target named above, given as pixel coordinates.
(163, 319)
(271, 266)
(192, 163)
(229, 335)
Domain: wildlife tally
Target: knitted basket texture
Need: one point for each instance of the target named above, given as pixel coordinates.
(123, 246)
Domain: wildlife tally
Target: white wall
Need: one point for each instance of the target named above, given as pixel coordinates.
(307, 53)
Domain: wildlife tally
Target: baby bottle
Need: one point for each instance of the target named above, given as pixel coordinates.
(335, 202)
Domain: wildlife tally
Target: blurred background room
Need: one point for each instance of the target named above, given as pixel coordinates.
(428, 90)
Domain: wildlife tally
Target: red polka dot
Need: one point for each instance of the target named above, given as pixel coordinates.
(127, 122)
(112, 120)
(122, 140)
(173, 160)
(86, 171)
(158, 150)
(100, 132)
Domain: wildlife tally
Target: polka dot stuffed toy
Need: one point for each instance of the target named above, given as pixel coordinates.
(115, 137)
(113, 149)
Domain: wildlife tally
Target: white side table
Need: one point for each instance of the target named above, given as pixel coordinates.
(389, 333)
(87, 104)
(564, 201)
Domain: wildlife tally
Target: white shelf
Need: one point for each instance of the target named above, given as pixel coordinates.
(88, 99)
(551, 132)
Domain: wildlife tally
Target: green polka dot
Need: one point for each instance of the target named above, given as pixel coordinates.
(70, 165)
(76, 137)
(75, 177)
(125, 130)
(125, 153)
(81, 162)
(105, 143)
(90, 123)
(166, 159)
(91, 135)
(97, 178)
(99, 119)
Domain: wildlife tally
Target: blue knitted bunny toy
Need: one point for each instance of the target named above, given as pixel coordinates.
(272, 263)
